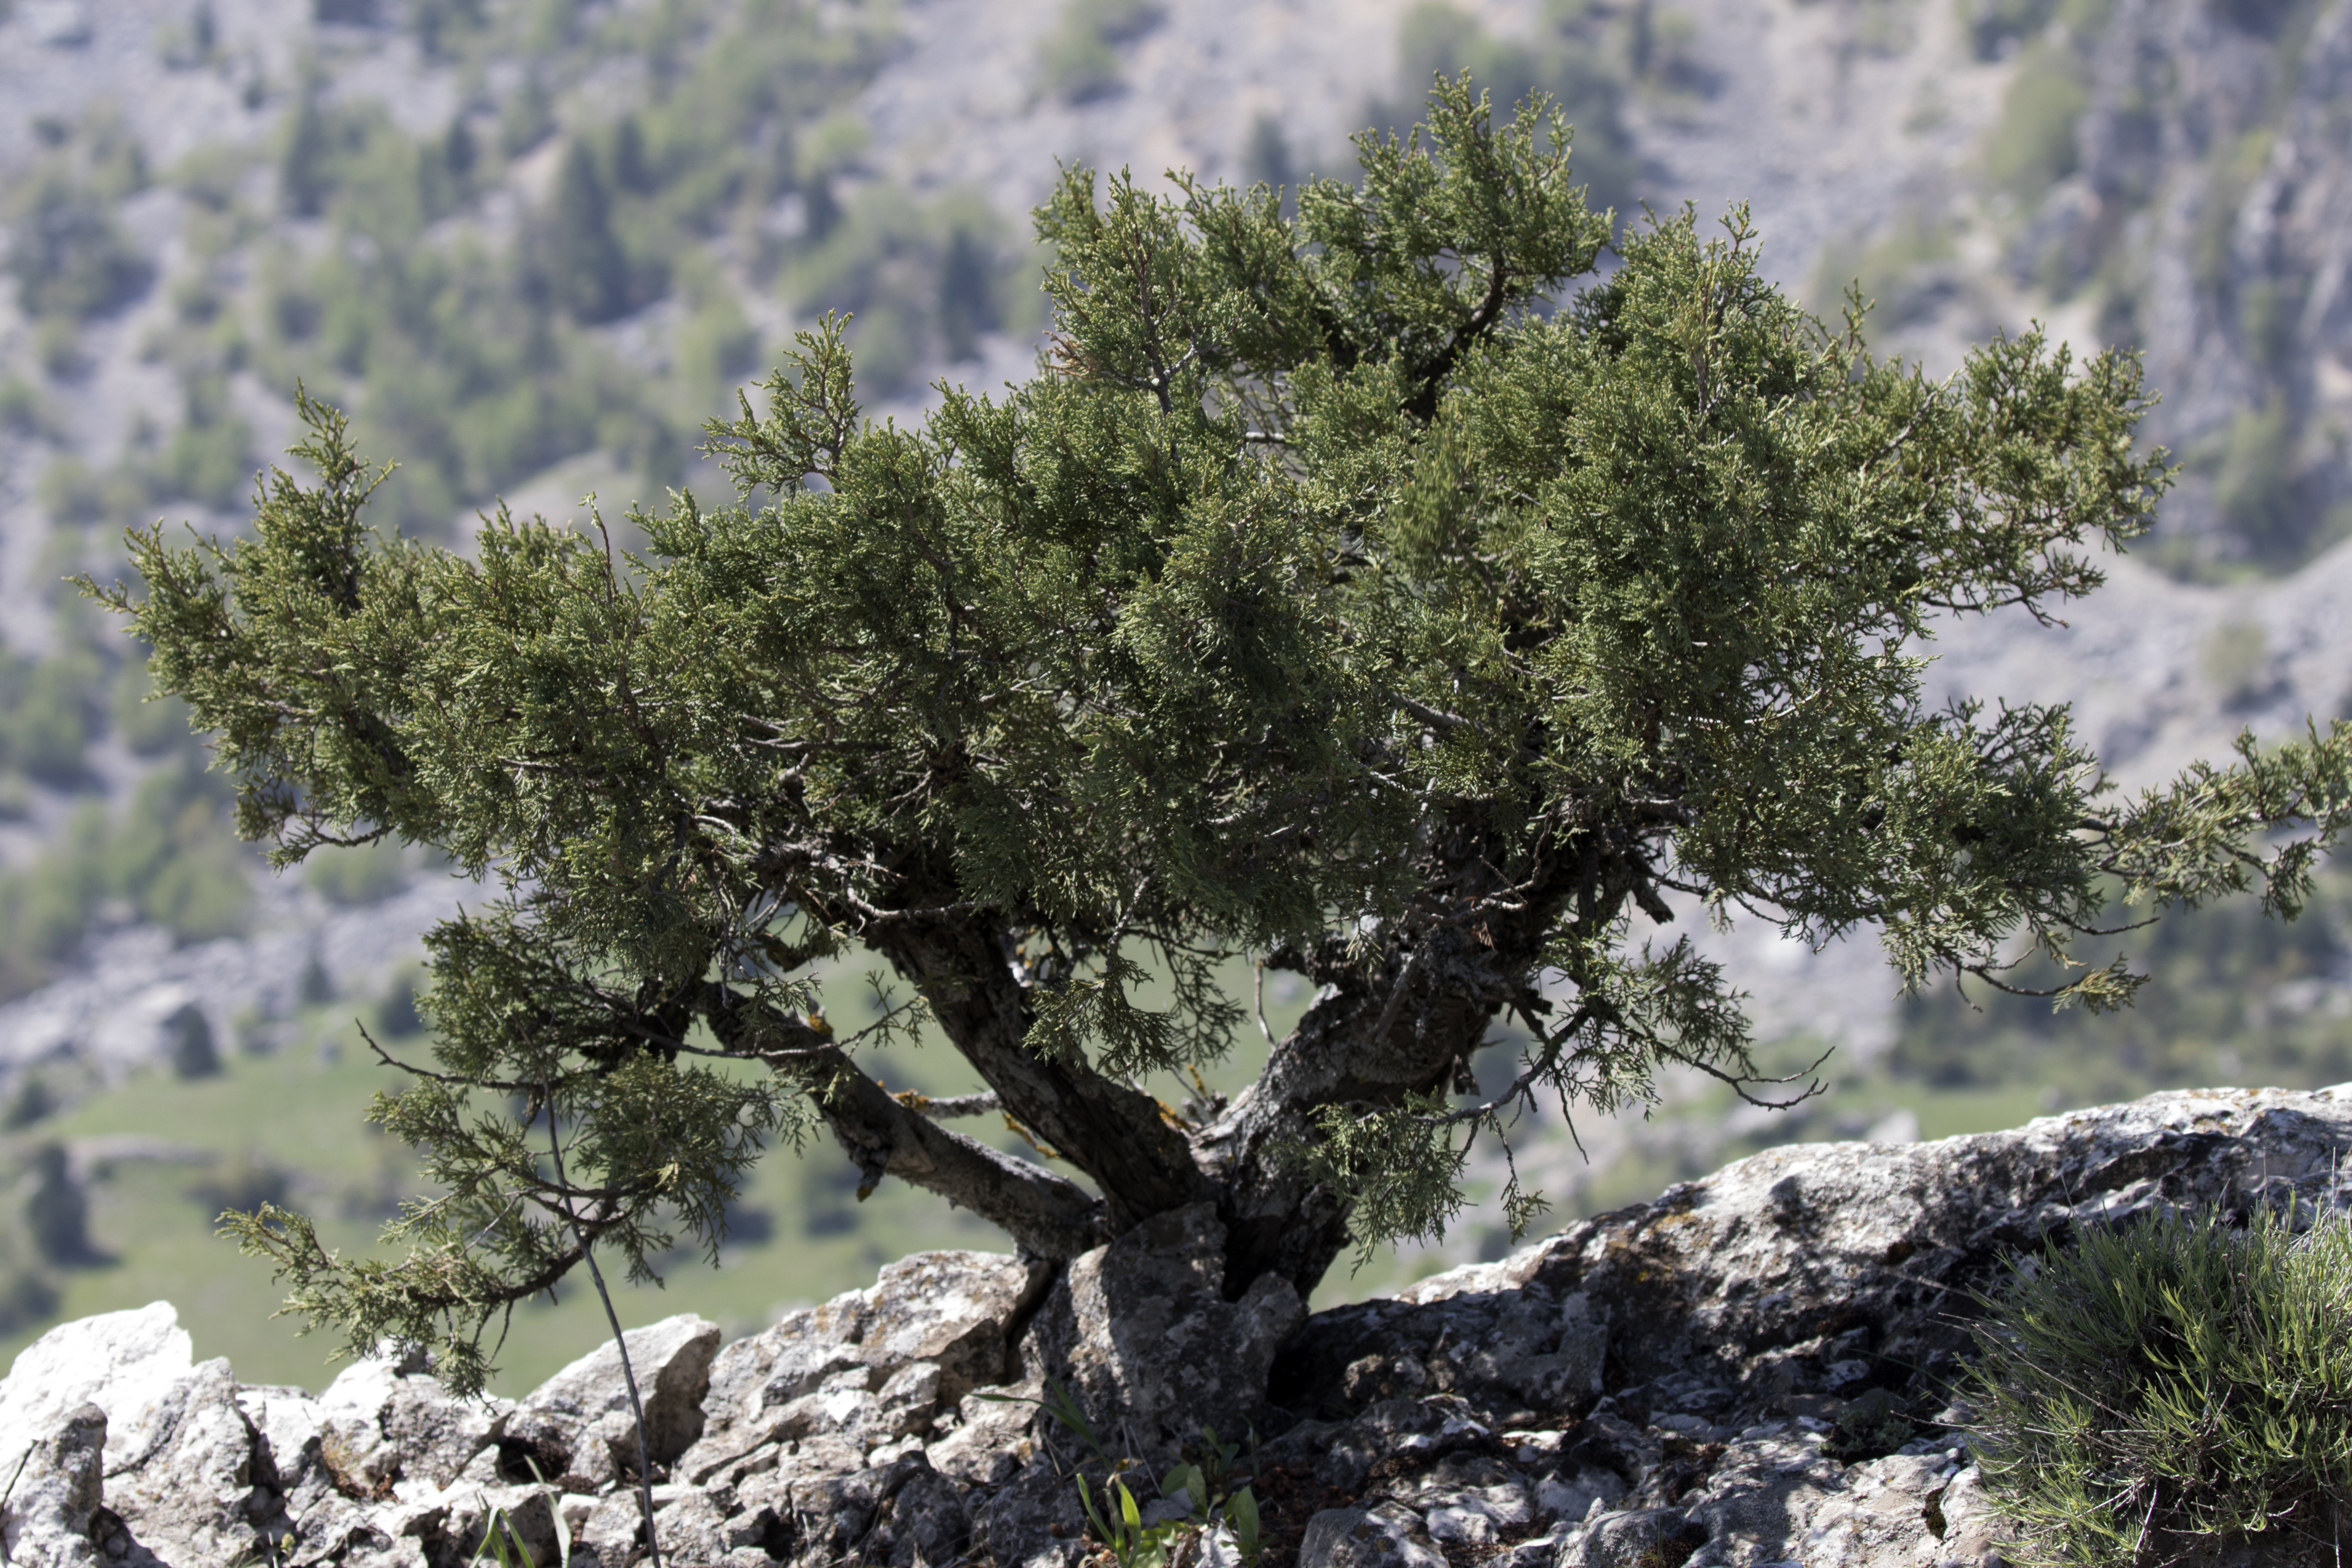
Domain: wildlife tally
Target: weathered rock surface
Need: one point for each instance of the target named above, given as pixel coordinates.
(1141, 1336)
(1752, 1370)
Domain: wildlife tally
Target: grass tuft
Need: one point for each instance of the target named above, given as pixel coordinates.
(2169, 1387)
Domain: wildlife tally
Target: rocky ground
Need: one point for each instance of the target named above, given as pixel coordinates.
(1754, 1369)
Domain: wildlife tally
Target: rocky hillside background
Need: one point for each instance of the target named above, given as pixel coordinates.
(532, 243)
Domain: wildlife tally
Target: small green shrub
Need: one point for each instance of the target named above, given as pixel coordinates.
(2254, 485)
(2162, 1388)
(396, 1015)
(1078, 61)
(242, 1181)
(2235, 657)
(150, 724)
(1998, 25)
(44, 715)
(2032, 147)
(175, 857)
(69, 257)
(23, 411)
(1581, 56)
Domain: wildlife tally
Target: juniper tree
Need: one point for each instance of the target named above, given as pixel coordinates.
(1384, 594)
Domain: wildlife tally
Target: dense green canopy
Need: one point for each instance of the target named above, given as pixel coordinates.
(1391, 593)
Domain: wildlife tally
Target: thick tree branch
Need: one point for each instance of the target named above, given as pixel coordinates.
(1047, 1216)
(1114, 1134)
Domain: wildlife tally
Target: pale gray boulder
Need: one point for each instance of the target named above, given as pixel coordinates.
(1034, 1520)
(54, 1493)
(588, 1402)
(189, 1492)
(123, 1363)
(379, 1424)
(870, 1365)
(522, 1516)
(1385, 1536)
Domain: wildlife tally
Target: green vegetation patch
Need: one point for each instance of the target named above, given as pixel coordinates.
(1079, 59)
(2163, 1388)
(1580, 55)
(2032, 146)
(2233, 999)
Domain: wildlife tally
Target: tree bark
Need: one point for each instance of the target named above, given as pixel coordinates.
(1277, 1218)
(1117, 1135)
(1047, 1216)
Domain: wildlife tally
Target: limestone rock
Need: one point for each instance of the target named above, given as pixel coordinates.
(949, 1311)
(379, 1424)
(123, 1363)
(613, 1535)
(523, 1518)
(1630, 1538)
(291, 1428)
(55, 1494)
(1141, 1334)
(693, 1529)
(189, 1491)
(927, 1521)
(1034, 1520)
(1724, 1378)
(671, 1361)
(1388, 1536)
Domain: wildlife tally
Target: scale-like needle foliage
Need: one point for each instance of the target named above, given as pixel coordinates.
(1381, 592)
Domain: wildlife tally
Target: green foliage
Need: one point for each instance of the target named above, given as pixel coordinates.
(397, 1016)
(170, 859)
(461, 367)
(1079, 59)
(527, 118)
(1118, 1525)
(357, 875)
(1898, 271)
(209, 458)
(23, 411)
(45, 718)
(2234, 998)
(501, 1545)
(2235, 657)
(471, 352)
(716, 348)
(1578, 57)
(1333, 594)
(2254, 479)
(585, 272)
(1995, 27)
(1204, 1479)
(1266, 156)
(174, 857)
(2032, 146)
(28, 1284)
(2161, 1389)
(69, 258)
(920, 279)
(213, 172)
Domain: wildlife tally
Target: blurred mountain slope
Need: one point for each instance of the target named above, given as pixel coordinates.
(532, 243)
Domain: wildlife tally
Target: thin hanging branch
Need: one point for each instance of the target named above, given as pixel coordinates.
(620, 1341)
